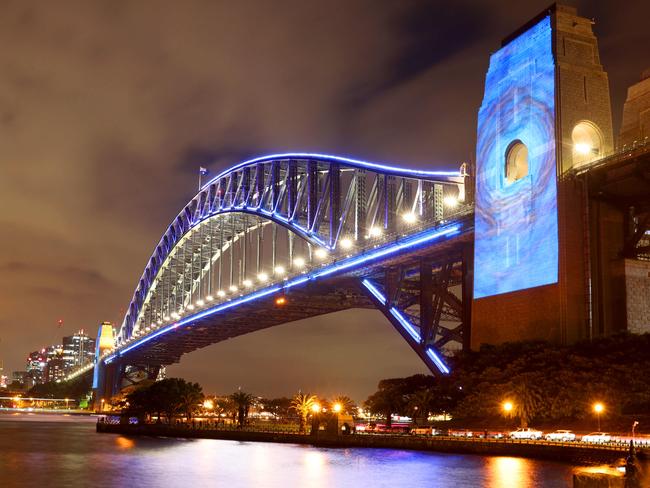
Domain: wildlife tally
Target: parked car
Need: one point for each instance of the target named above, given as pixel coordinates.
(422, 430)
(597, 438)
(561, 436)
(526, 433)
(461, 433)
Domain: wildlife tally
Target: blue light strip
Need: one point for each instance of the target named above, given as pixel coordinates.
(437, 361)
(440, 364)
(405, 323)
(340, 159)
(373, 289)
(344, 265)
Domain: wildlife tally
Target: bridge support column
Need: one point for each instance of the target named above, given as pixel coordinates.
(428, 303)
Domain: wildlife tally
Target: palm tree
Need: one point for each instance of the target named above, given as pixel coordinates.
(242, 402)
(420, 403)
(347, 404)
(527, 399)
(190, 398)
(303, 404)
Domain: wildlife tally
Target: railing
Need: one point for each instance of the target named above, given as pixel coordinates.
(637, 148)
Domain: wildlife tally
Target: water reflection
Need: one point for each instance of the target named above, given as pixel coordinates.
(124, 443)
(70, 454)
(507, 471)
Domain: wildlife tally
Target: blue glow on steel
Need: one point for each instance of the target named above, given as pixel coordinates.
(405, 323)
(437, 361)
(340, 159)
(373, 289)
(335, 268)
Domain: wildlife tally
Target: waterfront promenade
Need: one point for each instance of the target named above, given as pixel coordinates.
(569, 452)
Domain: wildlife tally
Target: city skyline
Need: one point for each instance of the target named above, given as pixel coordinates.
(126, 189)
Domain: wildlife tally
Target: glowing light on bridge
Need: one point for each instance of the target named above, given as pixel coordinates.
(341, 159)
(263, 277)
(221, 293)
(320, 253)
(410, 218)
(375, 291)
(375, 231)
(583, 148)
(341, 266)
(437, 360)
(346, 243)
(299, 262)
(247, 283)
(451, 201)
(279, 270)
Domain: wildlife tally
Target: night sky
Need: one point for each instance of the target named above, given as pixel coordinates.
(107, 108)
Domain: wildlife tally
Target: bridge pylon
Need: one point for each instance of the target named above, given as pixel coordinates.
(545, 112)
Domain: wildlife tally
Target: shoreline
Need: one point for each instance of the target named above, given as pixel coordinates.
(565, 453)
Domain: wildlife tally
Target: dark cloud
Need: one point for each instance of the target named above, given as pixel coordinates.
(108, 108)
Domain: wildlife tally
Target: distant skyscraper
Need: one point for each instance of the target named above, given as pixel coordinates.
(36, 362)
(78, 349)
(55, 369)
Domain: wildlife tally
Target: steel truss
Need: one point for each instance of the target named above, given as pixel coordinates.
(270, 218)
(428, 302)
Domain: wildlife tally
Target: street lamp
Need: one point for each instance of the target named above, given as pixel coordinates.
(337, 407)
(598, 408)
(507, 407)
(315, 407)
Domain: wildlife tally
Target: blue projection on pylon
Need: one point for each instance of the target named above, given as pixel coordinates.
(516, 205)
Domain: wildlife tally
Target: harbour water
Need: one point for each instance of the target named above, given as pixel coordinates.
(65, 451)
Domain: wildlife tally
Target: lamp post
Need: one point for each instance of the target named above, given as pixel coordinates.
(598, 408)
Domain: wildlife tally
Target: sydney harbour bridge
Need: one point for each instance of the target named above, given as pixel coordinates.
(540, 238)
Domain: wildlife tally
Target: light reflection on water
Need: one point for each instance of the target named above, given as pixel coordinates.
(69, 453)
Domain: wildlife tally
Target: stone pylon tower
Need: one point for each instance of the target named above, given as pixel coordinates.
(546, 110)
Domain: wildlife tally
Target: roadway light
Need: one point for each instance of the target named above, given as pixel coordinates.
(233, 288)
(166, 317)
(281, 300)
(209, 298)
(247, 283)
(298, 262)
(507, 406)
(160, 322)
(190, 307)
(374, 232)
(315, 407)
(346, 243)
(200, 303)
(279, 270)
(583, 148)
(450, 201)
(208, 404)
(337, 407)
(599, 408)
(263, 277)
(320, 253)
(221, 293)
(410, 218)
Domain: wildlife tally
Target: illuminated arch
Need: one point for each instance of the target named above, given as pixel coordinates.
(587, 142)
(295, 191)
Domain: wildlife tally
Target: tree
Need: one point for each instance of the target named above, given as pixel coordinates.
(242, 401)
(279, 407)
(191, 398)
(347, 404)
(303, 405)
(527, 398)
(169, 396)
(420, 403)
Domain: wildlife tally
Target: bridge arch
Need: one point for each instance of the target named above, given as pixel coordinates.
(324, 206)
